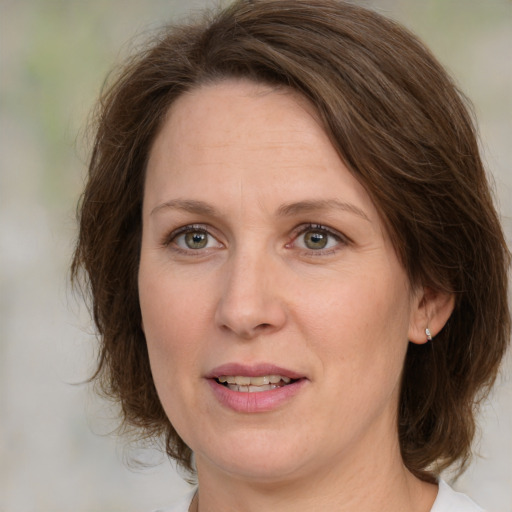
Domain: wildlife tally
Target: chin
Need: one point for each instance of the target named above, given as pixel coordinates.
(259, 460)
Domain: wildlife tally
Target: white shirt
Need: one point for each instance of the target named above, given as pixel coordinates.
(450, 501)
(447, 501)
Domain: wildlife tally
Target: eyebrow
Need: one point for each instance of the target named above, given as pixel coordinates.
(285, 210)
(291, 209)
(188, 205)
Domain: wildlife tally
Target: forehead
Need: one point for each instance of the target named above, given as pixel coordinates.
(247, 140)
(236, 113)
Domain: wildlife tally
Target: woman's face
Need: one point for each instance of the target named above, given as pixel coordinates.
(275, 310)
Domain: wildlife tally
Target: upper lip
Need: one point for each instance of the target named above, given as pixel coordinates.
(254, 370)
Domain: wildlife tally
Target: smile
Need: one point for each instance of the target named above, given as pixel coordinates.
(245, 384)
(255, 388)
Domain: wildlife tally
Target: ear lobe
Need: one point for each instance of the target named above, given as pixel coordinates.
(432, 310)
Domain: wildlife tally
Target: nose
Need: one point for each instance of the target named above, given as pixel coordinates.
(251, 302)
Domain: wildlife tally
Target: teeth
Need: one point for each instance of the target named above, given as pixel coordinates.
(252, 389)
(245, 381)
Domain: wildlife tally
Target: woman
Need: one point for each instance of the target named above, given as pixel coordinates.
(297, 272)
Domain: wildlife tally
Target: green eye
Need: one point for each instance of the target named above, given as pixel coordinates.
(316, 240)
(196, 240)
(192, 238)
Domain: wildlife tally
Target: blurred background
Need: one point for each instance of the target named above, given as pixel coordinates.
(56, 453)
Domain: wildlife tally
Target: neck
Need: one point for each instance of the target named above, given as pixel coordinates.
(380, 484)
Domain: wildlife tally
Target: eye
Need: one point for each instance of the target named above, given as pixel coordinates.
(193, 238)
(318, 238)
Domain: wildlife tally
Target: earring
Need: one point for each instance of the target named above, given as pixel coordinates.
(428, 333)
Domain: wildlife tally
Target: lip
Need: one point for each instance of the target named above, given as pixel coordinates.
(256, 370)
(262, 401)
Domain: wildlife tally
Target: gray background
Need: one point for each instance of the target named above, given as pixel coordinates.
(55, 451)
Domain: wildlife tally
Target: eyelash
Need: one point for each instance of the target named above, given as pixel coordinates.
(302, 230)
(170, 239)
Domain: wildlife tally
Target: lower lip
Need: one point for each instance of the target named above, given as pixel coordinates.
(260, 401)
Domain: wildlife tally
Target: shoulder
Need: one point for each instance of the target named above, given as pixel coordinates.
(180, 505)
(450, 501)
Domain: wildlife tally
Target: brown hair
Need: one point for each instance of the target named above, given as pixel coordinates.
(401, 127)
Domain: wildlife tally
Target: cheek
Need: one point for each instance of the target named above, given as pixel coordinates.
(170, 328)
(171, 320)
(364, 349)
(360, 327)
(170, 304)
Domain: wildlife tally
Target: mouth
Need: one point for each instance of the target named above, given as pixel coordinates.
(246, 384)
(255, 388)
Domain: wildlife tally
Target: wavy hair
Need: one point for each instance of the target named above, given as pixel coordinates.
(401, 127)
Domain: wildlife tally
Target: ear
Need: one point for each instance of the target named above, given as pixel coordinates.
(431, 309)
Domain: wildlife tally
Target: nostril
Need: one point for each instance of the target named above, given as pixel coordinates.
(250, 316)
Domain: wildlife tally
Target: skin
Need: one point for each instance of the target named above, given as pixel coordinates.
(228, 162)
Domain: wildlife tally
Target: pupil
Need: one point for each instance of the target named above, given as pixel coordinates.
(196, 240)
(316, 240)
